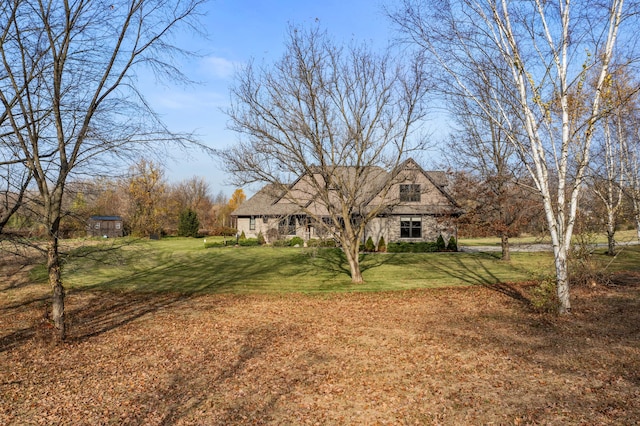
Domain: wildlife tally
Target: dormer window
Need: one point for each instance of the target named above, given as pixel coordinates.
(409, 192)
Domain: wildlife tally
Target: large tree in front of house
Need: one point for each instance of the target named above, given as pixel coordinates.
(320, 110)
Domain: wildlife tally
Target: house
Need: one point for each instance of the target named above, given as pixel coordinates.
(412, 205)
(105, 226)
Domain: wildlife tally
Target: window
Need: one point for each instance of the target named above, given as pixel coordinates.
(287, 226)
(97, 225)
(252, 223)
(410, 227)
(410, 192)
(117, 225)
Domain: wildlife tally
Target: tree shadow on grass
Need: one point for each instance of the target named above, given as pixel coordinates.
(98, 313)
(334, 261)
(473, 270)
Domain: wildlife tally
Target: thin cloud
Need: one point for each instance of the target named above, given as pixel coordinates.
(219, 67)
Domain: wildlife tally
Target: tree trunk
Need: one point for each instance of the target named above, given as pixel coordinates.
(562, 281)
(611, 243)
(55, 280)
(504, 241)
(352, 251)
(611, 232)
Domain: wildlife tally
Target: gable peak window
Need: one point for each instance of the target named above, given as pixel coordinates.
(409, 192)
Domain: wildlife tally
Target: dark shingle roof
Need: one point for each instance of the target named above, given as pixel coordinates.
(263, 203)
(270, 201)
(105, 218)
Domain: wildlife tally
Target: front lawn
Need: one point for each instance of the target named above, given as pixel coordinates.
(184, 265)
(448, 356)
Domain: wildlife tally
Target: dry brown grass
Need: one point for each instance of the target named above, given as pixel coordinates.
(476, 355)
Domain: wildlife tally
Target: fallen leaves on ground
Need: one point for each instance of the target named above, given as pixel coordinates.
(476, 355)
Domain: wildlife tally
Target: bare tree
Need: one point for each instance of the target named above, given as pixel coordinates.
(480, 146)
(193, 194)
(607, 175)
(608, 172)
(549, 48)
(632, 167)
(334, 116)
(68, 88)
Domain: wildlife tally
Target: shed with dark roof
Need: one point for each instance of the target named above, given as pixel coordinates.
(105, 226)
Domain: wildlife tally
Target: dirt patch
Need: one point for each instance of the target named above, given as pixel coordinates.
(477, 355)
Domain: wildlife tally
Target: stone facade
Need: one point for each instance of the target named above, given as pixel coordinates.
(413, 204)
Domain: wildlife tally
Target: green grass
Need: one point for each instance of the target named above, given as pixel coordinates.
(621, 236)
(627, 259)
(184, 265)
(495, 241)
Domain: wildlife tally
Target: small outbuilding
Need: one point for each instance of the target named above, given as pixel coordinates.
(105, 226)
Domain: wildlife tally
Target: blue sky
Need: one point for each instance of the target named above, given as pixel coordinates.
(239, 30)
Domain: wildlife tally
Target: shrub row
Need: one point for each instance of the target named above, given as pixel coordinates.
(423, 246)
(418, 247)
(247, 242)
(295, 241)
(370, 247)
(221, 231)
(321, 243)
(401, 247)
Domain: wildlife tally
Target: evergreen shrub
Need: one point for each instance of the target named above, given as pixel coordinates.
(452, 245)
(382, 246)
(369, 246)
(188, 224)
(296, 241)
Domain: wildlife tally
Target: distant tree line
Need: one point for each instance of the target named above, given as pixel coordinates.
(147, 202)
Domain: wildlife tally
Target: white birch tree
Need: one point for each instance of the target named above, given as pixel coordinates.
(549, 48)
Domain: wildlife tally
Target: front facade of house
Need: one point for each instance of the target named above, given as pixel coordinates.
(417, 207)
(105, 226)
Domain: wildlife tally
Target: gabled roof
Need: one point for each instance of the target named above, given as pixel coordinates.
(271, 200)
(437, 178)
(265, 203)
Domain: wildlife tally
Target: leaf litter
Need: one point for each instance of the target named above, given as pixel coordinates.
(475, 355)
